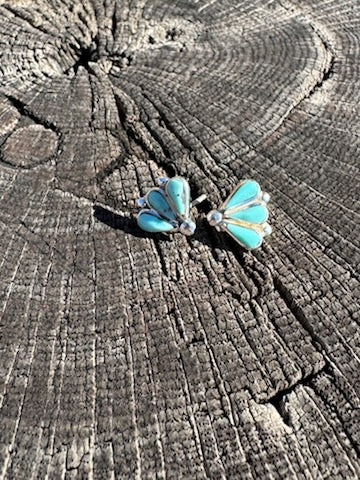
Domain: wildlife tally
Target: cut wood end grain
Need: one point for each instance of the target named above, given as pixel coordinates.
(132, 356)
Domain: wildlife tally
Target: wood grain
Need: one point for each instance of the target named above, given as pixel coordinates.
(129, 356)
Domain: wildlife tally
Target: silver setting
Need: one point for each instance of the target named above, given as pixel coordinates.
(223, 217)
(161, 181)
(183, 223)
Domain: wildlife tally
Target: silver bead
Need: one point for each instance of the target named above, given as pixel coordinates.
(267, 229)
(161, 181)
(266, 197)
(214, 217)
(187, 227)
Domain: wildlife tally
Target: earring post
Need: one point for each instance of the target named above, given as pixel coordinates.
(198, 200)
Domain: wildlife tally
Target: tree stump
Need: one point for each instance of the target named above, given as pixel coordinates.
(134, 356)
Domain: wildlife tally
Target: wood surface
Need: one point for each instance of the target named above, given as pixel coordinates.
(134, 356)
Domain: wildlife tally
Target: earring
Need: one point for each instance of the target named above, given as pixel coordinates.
(168, 207)
(243, 215)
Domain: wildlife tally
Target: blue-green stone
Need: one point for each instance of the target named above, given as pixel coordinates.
(247, 237)
(245, 193)
(151, 223)
(255, 214)
(157, 200)
(178, 191)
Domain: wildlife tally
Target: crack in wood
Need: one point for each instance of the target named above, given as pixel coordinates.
(24, 111)
(329, 69)
(298, 313)
(86, 55)
(327, 73)
(280, 398)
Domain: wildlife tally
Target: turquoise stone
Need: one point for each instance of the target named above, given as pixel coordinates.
(254, 214)
(178, 191)
(245, 193)
(157, 201)
(247, 237)
(151, 223)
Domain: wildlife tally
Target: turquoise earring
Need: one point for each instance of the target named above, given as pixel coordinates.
(244, 215)
(167, 208)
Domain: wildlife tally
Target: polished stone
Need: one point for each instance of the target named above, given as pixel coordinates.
(150, 222)
(246, 236)
(178, 191)
(156, 200)
(254, 214)
(246, 192)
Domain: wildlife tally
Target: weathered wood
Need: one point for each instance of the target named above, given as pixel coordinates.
(132, 356)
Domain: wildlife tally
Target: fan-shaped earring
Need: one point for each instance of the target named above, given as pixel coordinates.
(167, 208)
(244, 215)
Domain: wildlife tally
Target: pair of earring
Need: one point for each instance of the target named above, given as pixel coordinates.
(243, 215)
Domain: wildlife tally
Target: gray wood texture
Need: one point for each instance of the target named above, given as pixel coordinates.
(134, 356)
